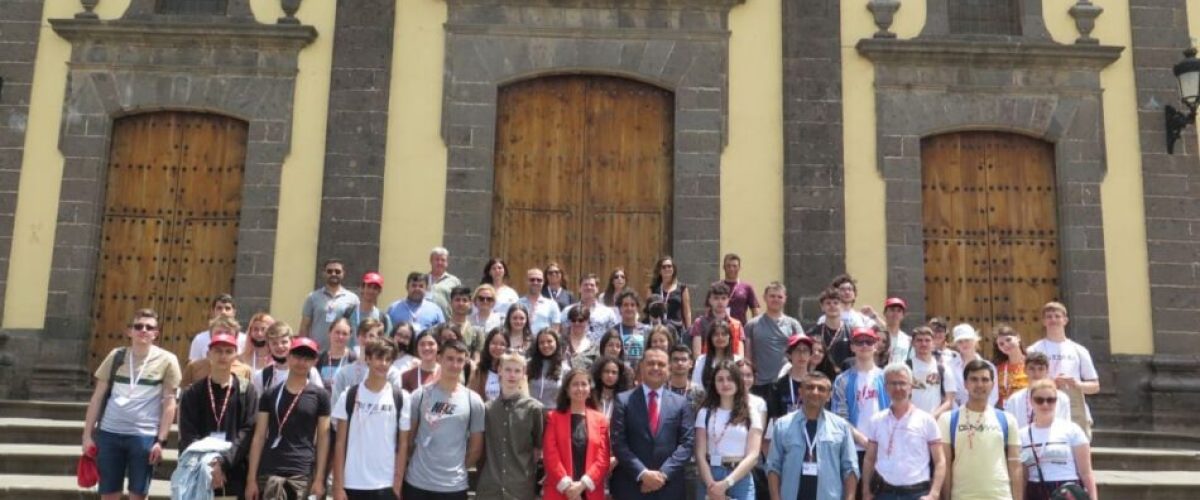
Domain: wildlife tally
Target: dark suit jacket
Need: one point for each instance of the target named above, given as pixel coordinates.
(636, 450)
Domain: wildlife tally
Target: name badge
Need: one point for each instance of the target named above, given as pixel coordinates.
(331, 313)
(275, 444)
(425, 442)
(121, 400)
(714, 460)
(217, 435)
(809, 469)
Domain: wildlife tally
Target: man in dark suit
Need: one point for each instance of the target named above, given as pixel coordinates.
(652, 431)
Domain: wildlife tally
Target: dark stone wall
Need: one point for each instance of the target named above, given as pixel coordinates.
(19, 27)
(814, 243)
(356, 135)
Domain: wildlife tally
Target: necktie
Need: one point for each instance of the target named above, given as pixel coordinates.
(653, 407)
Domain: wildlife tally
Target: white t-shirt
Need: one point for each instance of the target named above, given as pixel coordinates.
(868, 401)
(505, 298)
(491, 388)
(726, 440)
(902, 446)
(404, 362)
(1067, 358)
(1021, 408)
(199, 348)
(698, 368)
(279, 375)
(371, 443)
(927, 385)
(901, 348)
(1055, 448)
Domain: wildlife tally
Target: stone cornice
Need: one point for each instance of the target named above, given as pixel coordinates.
(608, 4)
(168, 34)
(949, 51)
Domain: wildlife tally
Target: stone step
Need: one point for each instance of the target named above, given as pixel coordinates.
(17, 430)
(1117, 438)
(60, 460)
(1145, 459)
(53, 410)
(22, 486)
(1143, 485)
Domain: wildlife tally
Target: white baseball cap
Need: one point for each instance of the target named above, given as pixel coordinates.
(963, 331)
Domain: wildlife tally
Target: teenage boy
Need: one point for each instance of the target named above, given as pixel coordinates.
(372, 445)
(718, 309)
(787, 394)
(981, 443)
(933, 389)
(833, 333)
(741, 293)
(460, 316)
(222, 306)
(680, 381)
(358, 371)
(811, 455)
(543, 311)
(447, 431)
(279, 341)
(198, 369)
(601, 318)
(291, 432)
(416, 309)
(513, 444)
(131, 410)
(767, 339)
(858, 392)
(900, 343)
(1037, 367)
(223, 406)
(633, 334)
(368, 303)
(1071, 364)
(904, 440)
(941, 331)
(326, 304)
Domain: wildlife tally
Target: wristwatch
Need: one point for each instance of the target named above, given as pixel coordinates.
(161, 442)
(729, 482)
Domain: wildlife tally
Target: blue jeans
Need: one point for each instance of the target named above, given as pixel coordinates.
(121, 455)
(900, 496)
(741, 490)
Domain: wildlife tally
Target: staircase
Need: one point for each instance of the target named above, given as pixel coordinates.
(39, 448)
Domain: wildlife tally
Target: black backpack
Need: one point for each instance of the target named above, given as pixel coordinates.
(118, 360)
(352, 399)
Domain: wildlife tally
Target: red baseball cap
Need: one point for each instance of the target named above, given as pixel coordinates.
(223, 338)
(305, 343)
(373, 278)
(795, 340)
(895, 302)
(858, 332)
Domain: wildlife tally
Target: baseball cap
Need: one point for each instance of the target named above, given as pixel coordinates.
(223, 338)
(895, 302)
(373, 278)
(963, 331)
(305, 343)
(796, 340)
(864, 332)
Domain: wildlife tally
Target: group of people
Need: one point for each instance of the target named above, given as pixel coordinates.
(594, 394)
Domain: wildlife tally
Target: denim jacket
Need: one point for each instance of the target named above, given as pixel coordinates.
(836, 457)
(192, 479)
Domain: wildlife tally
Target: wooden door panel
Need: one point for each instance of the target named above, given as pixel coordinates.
(132, 267)
(628, 137)
(539, 154)
(141, 166)
(633, 240)
(206, 262)
(955, 202)
(531, 238)
(1025, 278)
(956, 280)
(1021, 189)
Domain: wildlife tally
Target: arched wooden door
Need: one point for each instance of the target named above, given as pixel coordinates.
(169, 241)
(991, 230)
(583, 176)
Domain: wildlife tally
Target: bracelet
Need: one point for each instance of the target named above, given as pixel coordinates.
(729, 482)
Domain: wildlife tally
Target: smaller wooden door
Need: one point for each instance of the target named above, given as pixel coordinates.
(990, 230)
(169, 240)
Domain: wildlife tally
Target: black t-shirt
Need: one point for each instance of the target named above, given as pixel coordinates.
(808, 484)
(786, 397)
(837, 342)
(297, 449)
(579, 443)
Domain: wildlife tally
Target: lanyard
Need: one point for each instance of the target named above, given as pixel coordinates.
(792, 392)
(716, 443)
(554, 294)
(280, 423)
(896, 426)
(810, 443)
(341, 360)
(133, 379)
(218, 417)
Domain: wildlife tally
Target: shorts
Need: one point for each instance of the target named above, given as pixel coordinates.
(411, 492)
(124, 455)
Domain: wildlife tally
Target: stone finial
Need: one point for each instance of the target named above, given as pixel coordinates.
(884, 12)
(88, 7)
(289, 10)
(1085, 13)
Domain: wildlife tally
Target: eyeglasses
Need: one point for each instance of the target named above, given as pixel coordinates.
(143, 327)
(1045, 401)
(485, 299)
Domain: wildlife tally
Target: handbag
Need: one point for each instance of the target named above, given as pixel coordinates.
(86, 473)
(1070, 490)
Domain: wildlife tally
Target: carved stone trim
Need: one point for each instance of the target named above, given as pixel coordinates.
(193, 33)
(957, 52)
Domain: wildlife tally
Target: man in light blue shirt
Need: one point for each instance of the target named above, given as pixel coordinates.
(544, 310)
(812, 455)
(415, 309)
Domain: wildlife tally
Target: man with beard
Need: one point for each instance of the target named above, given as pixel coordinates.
(326, 304)
(416, 309)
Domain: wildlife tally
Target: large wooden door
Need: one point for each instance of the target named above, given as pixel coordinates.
(991, 232)
(169, 241)
(583, 176)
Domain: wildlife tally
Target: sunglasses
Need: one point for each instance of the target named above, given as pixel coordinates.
(536, 280)
(864, 343)
(1043, 401)
(143, 327)
(333, 271)
(485, 299)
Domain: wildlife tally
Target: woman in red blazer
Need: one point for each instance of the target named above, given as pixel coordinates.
(576, 450)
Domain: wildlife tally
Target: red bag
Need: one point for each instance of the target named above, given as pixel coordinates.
(86, 474)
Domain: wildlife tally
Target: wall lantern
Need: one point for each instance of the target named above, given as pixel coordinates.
(1188, 74)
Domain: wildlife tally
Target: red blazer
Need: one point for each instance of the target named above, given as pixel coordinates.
(556, 453)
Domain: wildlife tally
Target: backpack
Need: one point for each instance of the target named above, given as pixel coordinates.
(352, 398)
(1000, 416)
(118, 360)
(941, 374)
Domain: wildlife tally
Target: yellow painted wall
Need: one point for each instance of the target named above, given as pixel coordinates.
(414, 199)
(42, 167)
(751, 217)
(1121, 192)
